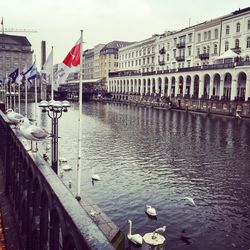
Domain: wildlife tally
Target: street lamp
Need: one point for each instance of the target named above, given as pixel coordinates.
(54, 110)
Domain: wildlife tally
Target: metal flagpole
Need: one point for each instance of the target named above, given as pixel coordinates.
(19, 97)
(78, 195)
(52, 77)
(26, 96)
(14, 97)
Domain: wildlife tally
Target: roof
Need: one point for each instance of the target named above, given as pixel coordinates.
(10, 39)
(228, 54)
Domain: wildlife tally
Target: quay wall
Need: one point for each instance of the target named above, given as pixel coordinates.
(219, 107)
(47, 214)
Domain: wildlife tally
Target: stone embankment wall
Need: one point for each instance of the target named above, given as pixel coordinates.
(228, 108)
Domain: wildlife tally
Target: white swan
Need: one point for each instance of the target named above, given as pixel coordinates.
(95, 177)
(150, 210)
(66, 167)
(134, 238)
(191, 200)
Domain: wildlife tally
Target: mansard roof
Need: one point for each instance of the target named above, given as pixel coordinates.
(15, 40)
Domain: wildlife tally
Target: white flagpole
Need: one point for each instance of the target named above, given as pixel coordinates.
(19, 98)
(78, 195)
(52, 77)
(26, 97)
(35, 97)
(14, 97)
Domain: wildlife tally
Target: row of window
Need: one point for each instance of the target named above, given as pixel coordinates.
(237, 44)
(237, 27)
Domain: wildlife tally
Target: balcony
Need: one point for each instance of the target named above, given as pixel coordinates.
(204, 56)
(181, 45)
(180, 58)
(161, 62)
(162, 51)
(236, 50)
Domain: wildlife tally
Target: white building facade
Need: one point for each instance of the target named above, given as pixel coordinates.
(186, 62)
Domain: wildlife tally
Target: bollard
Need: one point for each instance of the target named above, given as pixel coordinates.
(154, 241)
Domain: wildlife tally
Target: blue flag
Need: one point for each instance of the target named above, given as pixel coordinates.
(31, 73)
(13, 75)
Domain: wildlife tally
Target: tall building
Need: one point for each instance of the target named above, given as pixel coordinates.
(109, 58)
(15, 52)
(209, 60)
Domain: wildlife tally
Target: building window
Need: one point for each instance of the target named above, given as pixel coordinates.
(248, 42)
(215, 49)
(238, 27)
(226, 45)
(248, 24)
(167, 57)
(204, 50)
(216, 33)
(175, 41)
(208, 49)
(237, 43)
(168, 46)
(205, 36)
(199, 37)
(227, 30)
(209, 35)
(174, 51)
(188, 63)
(190, 37)
(189, 50)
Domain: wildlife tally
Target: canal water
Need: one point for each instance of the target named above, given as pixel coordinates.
(158, 157)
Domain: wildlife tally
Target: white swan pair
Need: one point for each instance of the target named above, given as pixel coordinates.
(137, 239)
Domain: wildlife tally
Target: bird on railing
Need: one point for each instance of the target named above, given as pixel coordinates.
(159, 230)
(32, 132)
(14, 116)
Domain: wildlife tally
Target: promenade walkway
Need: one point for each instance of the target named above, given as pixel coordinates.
(9, 237)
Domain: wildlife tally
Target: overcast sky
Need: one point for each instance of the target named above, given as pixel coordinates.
(59, 22)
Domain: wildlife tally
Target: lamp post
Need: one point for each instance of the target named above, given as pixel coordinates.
(54, 110)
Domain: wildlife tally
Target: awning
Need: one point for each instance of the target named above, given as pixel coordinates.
(84, 81)
(228, 54)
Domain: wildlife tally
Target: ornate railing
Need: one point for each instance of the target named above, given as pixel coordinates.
(47, 214)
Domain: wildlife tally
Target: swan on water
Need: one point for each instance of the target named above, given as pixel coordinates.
(150, 210)
(66, 167)
(191, 200)
(95, 177)
(134, 238)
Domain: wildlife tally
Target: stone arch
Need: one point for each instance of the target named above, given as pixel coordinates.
(131, 89)
(127, 87)
(206, 89)
(159, 84)
(148, 86)
(180, 83)
(196, 86)
(172, 91)
(139, 86)
(188, 86)
(166, 86)
(216, 86)
(154, 88)
(241, 85)
(144, 86)
(227, 86)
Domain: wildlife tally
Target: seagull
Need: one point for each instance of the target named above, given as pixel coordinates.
(134, 238)
(32, 132)
(150, 210)
(191, 200)
(13, 116)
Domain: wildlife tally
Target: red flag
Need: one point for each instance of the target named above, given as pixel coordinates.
(73, 57)
(71, 63)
